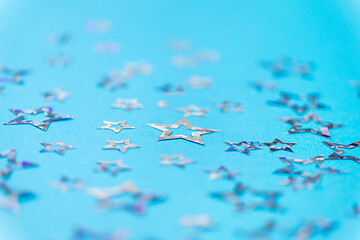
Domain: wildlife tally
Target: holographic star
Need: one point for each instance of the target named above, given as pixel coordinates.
(59, 147)
(65, 184)
(196, 136)
(21, 118)
(56, 94)
(200, 82)
(228, 106)
(193, 110)
(170, 89)
(127, 104)
(296, 125)
(127, 145)
(247, 146)
(13, 198)
(273, 147)
(109, 125)
(112, 168)
(171, 160)
(13, 164)
(221, 173)
(337, 155)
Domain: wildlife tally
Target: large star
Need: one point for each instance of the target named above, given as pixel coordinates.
(22, 119)
(127, 145)
(196, 136)
(109, 125)
(273, 147)
(337, 155)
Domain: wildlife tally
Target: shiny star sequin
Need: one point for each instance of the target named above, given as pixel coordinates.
(127, 104)
(176, 160)
(112, 168)
(273, 147)
(221, 173)
(12, 199)
(127, 145)
(13, 164)
(196, 136)
(56, 94)
(59, 147)
(246, 145)
(21, 117)
(109, 125)
(337, 155)
(66, 183)
(296, 125)
(193, 110)
(169, 89)
(228, 106)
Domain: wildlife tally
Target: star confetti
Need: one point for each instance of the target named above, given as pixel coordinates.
(200, 82)
(221, 173)
(13, 164)
(109, 125)
(337, 155)
(273, 147)
(112, 168)
(163, 104)
(59, 147)
(246, 145)
(66, 183)
(56, 94)
(127, 145)
(193, 110)
(196, 136)
(228, 106)
(176, 160)
(13, 198)
(127, 104)
(169, 89)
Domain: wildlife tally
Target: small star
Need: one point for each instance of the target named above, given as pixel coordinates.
(112, 168)
(127, 145)
(127, 104)
(273, 147)
(163, 104)
(200, 82)
(227, 174)
(337, 155)
(324, 131)
(170, 89)
(65, 184)
(248, 146)
(109, 125)
(196, 136)
(61, 150)
(14, 198)
(167, 160)
(228, 106)
(21, 118)
(56, 94)
(201, 221)
(193, 110)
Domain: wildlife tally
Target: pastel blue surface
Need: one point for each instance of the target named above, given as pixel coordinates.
(243, 32)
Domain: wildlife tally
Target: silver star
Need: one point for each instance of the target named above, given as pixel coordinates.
(248, 146)
(193, 110)
(61, 150)
(112, 167)
(56, 94)
(167, 160)
(338, 152)
(215, 173)
(127, 104)
(127, 145)
(109, 125)
(228, 106)
(273, 147)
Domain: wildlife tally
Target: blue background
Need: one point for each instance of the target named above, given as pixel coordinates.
(243, 32)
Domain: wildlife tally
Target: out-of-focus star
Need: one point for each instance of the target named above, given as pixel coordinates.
(127, 145)
(177, 160)
(13, 164)
(221, 173)
(56, 94)
(127, 104)
(65, 184)
(201, 221)
(22, 119)
(193, 110)
(196, 136)
(112, 168)
(296, 125)
(163, 104)
(13, 198)
(199, 82)
(109, 125)
(273, 147)
(228, 106)
(170, 89)
(337, 155)
(247, 145)
(53, 147)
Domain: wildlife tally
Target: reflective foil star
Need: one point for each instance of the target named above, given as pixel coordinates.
(170, 89)
(127, 145)
(296, 125)
(112, 168)
(247, 146)
(228, 106)
(65, 184)
(59, 147)
(56, 94)
(22, 119)
(109, 125)
(13, 164)
(200, 82)
(13, 198)
(171, 160)
(196, 136)
(221, 173)
(337, 155)
(127, 104)
(193, 110)
(273, 147)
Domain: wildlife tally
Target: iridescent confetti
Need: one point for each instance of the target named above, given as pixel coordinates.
(110, 125)
(113, 145)
(59, 147)
(193, 110)
(177, 160)
(244, 147)
(228, 106)
(273, 144)
(56, 94)
(127, 104)
(221, 173)
(113, 168)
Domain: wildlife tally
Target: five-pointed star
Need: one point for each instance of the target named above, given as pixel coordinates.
(109, 125)
(127, 104)
(338, 152)
(273, 147)
(216, 173)
(13, 198)
(169, 160)
(193, 110)
(21, 118)
(127, 145)
(56, 94)
(61, 150)
(324, 131)
(13, 164)
(112, 167)
(248, 146)
(228, 106)
(196, 136)
(65, 184)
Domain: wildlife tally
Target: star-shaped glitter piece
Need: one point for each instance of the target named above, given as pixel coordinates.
(127, 104)
(170, 89)
(163, 104)
(109, 125)
(337, 155)
(127, 145)
(273, 147)
(247, 145)
(65, 184)
(112, 168)
(296, 125)
(196, 136)
(56, 94)
(13, 198)
(221, 173)
(200, 82)
(13, 164)
(52, 147)
(22, 119)
(171, 160)
(228, 106)
(193, 110)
